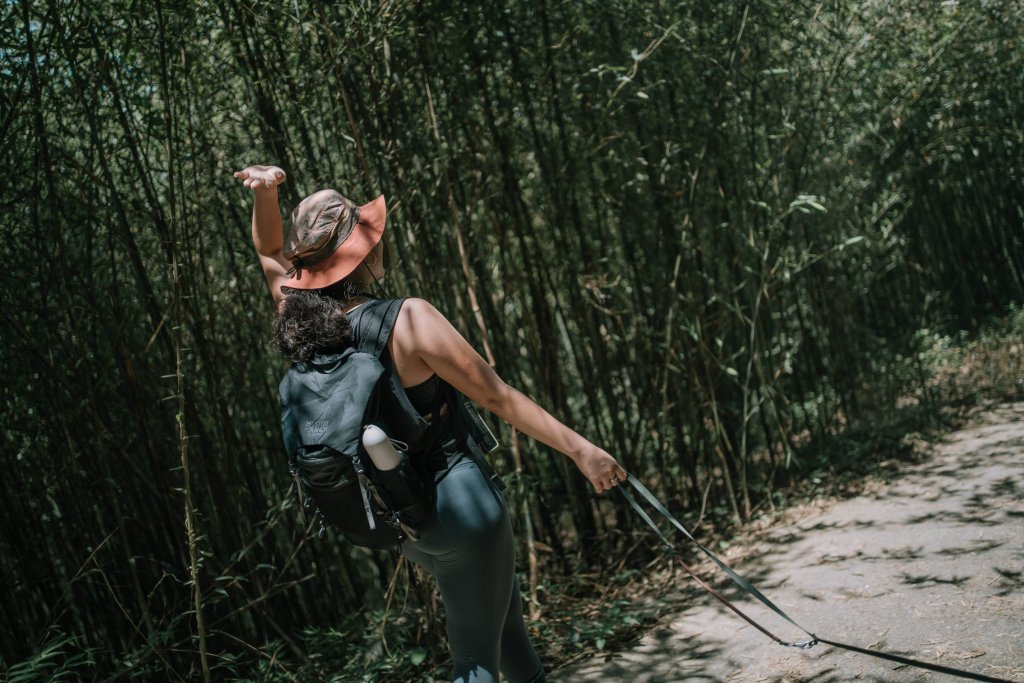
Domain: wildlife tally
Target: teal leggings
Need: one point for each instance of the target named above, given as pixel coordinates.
(468, 548)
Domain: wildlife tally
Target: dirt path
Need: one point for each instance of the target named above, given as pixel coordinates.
(929, 564)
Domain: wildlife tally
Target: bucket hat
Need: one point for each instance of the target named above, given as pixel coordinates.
(328, 237)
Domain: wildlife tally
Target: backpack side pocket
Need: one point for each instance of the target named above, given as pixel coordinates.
(405, 492)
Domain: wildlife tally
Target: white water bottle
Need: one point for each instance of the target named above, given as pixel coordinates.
(382, 452)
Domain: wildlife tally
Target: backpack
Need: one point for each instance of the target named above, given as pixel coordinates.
(325, 405)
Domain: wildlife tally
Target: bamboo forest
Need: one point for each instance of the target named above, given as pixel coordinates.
(739, 245)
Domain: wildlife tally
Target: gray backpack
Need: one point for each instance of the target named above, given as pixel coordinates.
(325, 405)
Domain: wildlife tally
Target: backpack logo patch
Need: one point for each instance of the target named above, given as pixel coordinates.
(317, 428)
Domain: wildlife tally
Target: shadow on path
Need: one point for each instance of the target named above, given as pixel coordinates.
(929, 564)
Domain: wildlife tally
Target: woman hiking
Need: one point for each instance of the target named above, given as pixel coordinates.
(467, 544)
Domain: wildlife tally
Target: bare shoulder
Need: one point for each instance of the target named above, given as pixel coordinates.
(427, 343)
(419, 325)
(417, 318)
(423, 330)
(417, 308)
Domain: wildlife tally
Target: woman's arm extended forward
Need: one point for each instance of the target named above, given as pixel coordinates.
(267, 235)
(424, 333)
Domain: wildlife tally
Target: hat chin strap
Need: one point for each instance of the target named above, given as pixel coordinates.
(381, 289)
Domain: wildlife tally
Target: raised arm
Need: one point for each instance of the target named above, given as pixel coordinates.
(424, 334)
(267, 235)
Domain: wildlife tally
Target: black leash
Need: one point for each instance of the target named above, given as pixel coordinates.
(749, 588)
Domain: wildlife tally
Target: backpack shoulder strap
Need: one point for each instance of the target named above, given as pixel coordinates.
(375, 326)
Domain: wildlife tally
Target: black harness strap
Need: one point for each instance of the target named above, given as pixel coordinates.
(371, 340)
(749, 588)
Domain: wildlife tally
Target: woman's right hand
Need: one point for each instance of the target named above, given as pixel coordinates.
(601, 469)
(261, 177)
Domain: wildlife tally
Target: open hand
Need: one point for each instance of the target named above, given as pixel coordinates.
(261, 177)
(601, 469)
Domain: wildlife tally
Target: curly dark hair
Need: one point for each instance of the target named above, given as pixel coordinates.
(313, 321)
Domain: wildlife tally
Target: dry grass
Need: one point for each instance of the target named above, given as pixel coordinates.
(987, 367)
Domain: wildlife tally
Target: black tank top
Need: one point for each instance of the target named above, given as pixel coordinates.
(425, 395)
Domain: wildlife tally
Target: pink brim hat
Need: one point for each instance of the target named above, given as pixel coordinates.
(317, 244)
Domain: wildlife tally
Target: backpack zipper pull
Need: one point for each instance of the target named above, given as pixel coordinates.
(363, 489)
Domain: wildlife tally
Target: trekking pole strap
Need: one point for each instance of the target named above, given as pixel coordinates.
(915, 662)
(739, 580)
(736, 578)
(749, 588)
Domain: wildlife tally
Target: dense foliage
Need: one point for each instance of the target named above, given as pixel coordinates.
(702, 233)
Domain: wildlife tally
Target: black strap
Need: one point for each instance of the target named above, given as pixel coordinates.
(749, 588)
(914, 662)
(737, 579)
(375, 324)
